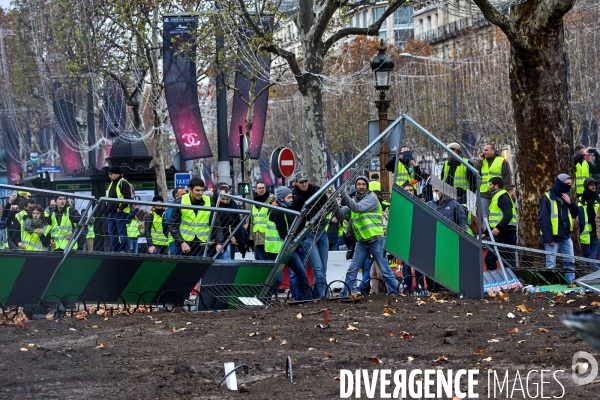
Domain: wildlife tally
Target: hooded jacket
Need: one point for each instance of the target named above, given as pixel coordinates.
(587, 200)
(450, 209)
(564, 231)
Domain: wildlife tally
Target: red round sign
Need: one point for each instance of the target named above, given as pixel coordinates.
(286, 162)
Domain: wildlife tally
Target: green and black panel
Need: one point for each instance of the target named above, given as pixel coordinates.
(434, 246)
(227, 279)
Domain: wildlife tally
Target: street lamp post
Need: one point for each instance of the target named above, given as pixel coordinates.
(382, 67)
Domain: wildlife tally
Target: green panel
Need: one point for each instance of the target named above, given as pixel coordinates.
(447, 257)
(77, 187)
(252, 274)
(150, 276)
(398, 231)
(10, 269)
(73, 276)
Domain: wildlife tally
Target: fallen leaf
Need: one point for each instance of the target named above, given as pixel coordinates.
(351, 328)
(50, 316)
(175, 330)
(582, 306)
(469, 314)
(272, 337)
(523, 308)
(23, 349)
(94, 326)
(284, 343)
(73, 329)
(543, 330)
(487, 359)
(550, 315)
(478, 352)
(442, 358)
(392, 334)
(410, 359)
(158, 322)
(328, 355)
(333, 340)
(118, 335)
(337, 378)
(513, 330)
(570, 301)
(29, 345)
(188, 323)
(414, 318)
(521, 341)
(375, 360)
(102, 346)
(404, 335)
(106, 319)
(389, 310)
(252, 334)
(594, 303)
(311, 349)
(493, 341)
(299, 316)
(548, 349)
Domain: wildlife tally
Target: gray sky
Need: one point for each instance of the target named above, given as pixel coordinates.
(4, 3)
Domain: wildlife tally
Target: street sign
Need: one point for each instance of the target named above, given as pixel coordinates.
(283, 162)
(244, 188)
(182, 179)
(49, 169)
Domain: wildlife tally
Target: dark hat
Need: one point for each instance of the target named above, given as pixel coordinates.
(588, 181)
(563, 177)
(362, 177)
(158, 198)
(223, 186)
(282, 191)
(301, 176)
(115, 170)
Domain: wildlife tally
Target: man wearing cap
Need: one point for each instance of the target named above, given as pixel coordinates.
(257, 224)
(225, 224)
(119, 188)
(457, 174)
(556, 214)
(490, 165)
(366, 216)
(188, 227)
(316, 241)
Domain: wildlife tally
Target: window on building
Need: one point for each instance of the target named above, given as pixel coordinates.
(383, 35)
(401, 36)
(366, 19)
(421, 26)
(352, 22)
(403, 15)
(378, 13)
(428, 23)
(359, 21)
(436, 21)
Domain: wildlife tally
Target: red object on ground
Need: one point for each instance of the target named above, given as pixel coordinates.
(325, 317)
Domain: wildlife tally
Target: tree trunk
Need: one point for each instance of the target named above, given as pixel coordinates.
(538, 80)
(313, 157)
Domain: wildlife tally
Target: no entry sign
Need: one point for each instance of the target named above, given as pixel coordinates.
(283, 162)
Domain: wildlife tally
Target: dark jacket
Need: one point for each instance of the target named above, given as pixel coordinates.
(564, 209)
(74, 215)
(301, 197)
(125, 191)
(13, 227)
(595, 167)
(450, 209)
(225, 223)
(148, 228)
(283, 222)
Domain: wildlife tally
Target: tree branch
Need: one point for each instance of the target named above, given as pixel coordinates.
(287, 56)
(249, 20)
(497, 18)
(372, 30)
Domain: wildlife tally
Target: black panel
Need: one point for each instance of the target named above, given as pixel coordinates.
(185, 276)
(217, 274)
(422, 242)
(35, 275)
(470, 270)
(113, 275)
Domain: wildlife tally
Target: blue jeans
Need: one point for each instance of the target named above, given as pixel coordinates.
(225, 254)
(565, 247)
(591, 251)
(361, 252)
(259, 253)
(132, 245)
(117, 229)
(318, 260)
(366, 276)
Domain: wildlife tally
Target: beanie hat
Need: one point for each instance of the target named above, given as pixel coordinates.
(158, 198)
(282, 191)
(115, 170)
(362, 177)
(563, 177)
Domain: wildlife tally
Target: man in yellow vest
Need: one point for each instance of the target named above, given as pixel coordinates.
(491, 165)
(503, 221)
(190, 228)
(584, 168)
(408, 169)
(63, 220)
(588, 210)
(556, 213)
(257, 224)
(457, 174)
(374, 183)
(366, 216)
(118, 188)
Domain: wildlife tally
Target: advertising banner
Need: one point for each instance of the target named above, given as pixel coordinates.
(67, 132)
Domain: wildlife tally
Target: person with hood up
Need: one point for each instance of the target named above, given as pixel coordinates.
(556, 213)
(257, 224)
(225, 224)
(366, 215)
(588, 210)
(449, 208)
(278, 226)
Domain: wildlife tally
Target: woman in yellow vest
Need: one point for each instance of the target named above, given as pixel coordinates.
(35, 231)
(156, 229)
(588, 208)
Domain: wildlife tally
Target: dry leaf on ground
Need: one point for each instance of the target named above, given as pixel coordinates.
(333, 340)
(375, 360)
(328, 355)
(299, 316)
(284, 343)
(543, 330)
(102, 346)
(478, 352)
(351, 328)
(523, 308)
(514, 330)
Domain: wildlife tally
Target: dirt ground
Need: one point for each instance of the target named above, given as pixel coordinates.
(181, 354)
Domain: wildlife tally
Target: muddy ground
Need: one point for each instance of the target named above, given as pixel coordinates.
(181, 354)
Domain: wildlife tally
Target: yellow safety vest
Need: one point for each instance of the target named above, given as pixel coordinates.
(488, 172)
(496, 214)
(260, 218)
(584, 237)
(194, 224)
(31, 241)
(582, 171)
(460, 175)
(554, 215)
(273, 242)
(158, 237)
(60, 229)
(374, 185)
(367, 225)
